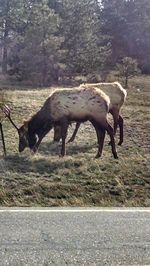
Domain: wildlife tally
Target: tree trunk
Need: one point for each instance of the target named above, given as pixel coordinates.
(5, 39)
(4, 59)
(126, 82)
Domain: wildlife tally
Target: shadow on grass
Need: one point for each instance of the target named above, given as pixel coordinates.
(50, 162)
(26, 165)
(53, 149)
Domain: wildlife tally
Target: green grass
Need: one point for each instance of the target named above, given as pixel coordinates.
(78, 179)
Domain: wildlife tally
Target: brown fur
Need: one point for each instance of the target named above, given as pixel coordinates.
(67, 105)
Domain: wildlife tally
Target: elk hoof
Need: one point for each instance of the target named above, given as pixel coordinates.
(70, 140)
(116, 156)
(120, 142)
(61, 156)
(97, 156)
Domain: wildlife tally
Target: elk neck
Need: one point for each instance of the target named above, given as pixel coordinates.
(39, 123)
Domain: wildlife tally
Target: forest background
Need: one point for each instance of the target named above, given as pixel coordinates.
(46, 42)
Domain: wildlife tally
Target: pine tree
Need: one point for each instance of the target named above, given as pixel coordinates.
(86, 48)
(39, 48)
(12, 22)
(128, 68)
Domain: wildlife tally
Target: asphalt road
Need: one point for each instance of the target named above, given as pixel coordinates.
(74, 238)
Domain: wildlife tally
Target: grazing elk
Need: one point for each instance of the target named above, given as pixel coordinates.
(117, 95)
(61, 108)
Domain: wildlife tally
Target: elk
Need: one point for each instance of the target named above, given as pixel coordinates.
(60, 109)
(117, 95)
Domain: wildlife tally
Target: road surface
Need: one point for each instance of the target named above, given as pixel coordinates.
(77, 237)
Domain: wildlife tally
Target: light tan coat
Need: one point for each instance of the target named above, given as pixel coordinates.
(116, 93)
(83, 103)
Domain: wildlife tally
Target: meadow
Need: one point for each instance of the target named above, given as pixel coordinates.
(78, 179)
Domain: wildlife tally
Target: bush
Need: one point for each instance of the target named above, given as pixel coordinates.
(128, 68)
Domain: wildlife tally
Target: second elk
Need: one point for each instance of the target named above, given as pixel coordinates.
(117, 95)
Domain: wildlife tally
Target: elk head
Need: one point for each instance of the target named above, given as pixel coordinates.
(25, 138)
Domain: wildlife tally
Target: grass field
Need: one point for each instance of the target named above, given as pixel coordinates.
(78, 179)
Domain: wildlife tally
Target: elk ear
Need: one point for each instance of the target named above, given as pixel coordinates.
(26, 125)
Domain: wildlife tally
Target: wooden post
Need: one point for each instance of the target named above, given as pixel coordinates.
(3, 141)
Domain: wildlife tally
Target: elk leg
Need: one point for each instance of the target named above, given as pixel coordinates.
(64, 127)
(100, 132)
(3, 141)
(101, 136)
(115, 127)
(57, 133)
(121, 130)
(74, 133)
(115, 115)
(110, 132)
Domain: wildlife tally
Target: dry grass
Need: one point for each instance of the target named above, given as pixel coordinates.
(78, 179)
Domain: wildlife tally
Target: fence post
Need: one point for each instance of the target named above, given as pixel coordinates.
(3, 141)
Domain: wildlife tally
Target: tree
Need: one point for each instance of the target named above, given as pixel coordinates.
(114, 25)
(128, 68)
(127, 23)
(12, 21)
(36, 56)
(86, 48)
(42, 40)
(60, 37)
(137, 14)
